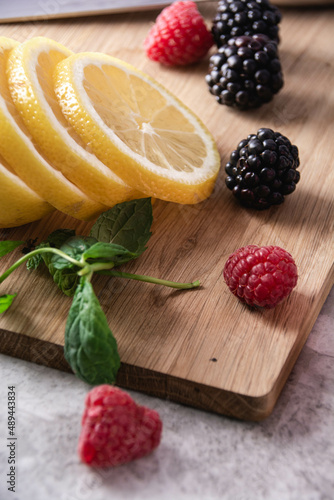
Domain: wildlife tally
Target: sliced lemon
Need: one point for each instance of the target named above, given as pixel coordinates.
(17, 149)
(136, 127)
(18, 203)
(29, 70)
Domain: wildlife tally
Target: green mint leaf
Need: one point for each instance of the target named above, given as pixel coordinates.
(73, 247)
(66, 279)
(8, 246)
(127, 224)
(108, 252)
(64, 273)
(6, 302)
(36, 260)
(58, 237)
(55, 240)
(90, 347)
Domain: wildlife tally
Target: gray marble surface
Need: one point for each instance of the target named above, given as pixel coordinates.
(289, 456)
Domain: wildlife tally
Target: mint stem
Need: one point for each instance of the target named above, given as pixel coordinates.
(35, 252)
(88, 269)
(156, 281)
(100, 266)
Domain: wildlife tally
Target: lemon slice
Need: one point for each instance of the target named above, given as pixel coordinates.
(136, 127)
(18, 150)
(29, 71)
(18, 203)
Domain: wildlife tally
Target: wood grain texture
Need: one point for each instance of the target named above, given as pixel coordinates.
(203, 347)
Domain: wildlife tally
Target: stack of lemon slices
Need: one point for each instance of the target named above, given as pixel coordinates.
(83, 132)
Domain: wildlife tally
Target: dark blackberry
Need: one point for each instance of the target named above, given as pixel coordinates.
(263, 169)
(246, 72)
(245, 17)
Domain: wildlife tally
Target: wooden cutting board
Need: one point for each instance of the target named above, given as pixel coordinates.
(202, 347)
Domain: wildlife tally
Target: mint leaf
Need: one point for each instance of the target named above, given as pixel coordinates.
(6, 301)
(34, 261)
(90, 347)
(66, 279)
(73, 247)
(108, 252)
(58, 237)
(64, 273)
(54, 240)
(8, 246)
(127, 224)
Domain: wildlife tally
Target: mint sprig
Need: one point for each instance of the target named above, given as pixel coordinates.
(118, 236)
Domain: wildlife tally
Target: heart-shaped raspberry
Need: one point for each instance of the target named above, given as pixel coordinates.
(116, 430)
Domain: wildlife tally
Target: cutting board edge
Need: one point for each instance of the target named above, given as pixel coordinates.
(157, 384)
(32, 349)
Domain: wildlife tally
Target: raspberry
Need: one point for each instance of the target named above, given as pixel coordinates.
(245, 17)
(115, 430)
(246, 72)
(263, 169)
(179, 36)
(260, 276)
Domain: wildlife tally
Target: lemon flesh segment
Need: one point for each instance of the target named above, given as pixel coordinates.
(18, 203)
(30, 68)
(18, 150)
(137, 128)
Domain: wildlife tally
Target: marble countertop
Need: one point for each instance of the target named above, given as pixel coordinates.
(289, 456)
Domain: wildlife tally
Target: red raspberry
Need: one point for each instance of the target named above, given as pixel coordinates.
(179, 36)
(261, 276)
(116, 430)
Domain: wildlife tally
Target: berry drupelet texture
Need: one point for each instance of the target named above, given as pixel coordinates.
(261, 276)
(246, 72)
(179, 36)
(245, 17)
(263, 169)
(115, 430)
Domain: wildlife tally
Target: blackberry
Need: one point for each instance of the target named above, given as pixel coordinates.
(244, 17)
(263, 169)
(246, 72)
